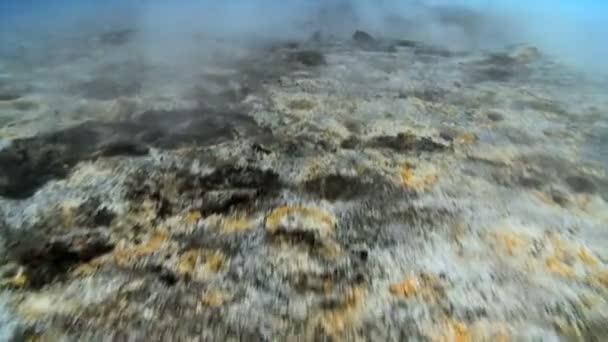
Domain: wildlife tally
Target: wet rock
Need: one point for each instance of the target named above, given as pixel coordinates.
(310, 58)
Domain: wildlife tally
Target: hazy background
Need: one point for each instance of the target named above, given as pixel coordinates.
(575, 32)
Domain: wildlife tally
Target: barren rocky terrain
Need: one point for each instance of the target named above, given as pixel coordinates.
(324, 189)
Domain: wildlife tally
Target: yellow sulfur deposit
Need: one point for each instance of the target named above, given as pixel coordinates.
(193, 217)
(236, 224)
(560, 268)
(125, 256)
(426, 287)
(215, 298)
(418, 182)
(200, 262)
(510, 241)
(407, 288)
(588, 257)
(322, 220)
(337, 321)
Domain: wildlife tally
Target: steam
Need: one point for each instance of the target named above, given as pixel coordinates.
(573, 32)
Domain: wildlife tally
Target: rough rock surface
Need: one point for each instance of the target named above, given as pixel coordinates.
(417, 193)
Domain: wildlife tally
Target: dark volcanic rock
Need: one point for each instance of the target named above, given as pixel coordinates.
(307, 57)
(9, 96)
(29, 163)
(495, 116)
(406, 143)
(123, 148)
(425, 50)
(364, 39)
(581, 184)
(339, 187)
(47, 258)
(407, 43)
(401, 142)
(497, 67)
(350, 143)
(226, 188)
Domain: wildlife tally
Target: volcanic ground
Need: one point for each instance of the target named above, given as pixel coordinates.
(322, 189)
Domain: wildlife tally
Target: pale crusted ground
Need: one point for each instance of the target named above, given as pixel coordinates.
(392, 191)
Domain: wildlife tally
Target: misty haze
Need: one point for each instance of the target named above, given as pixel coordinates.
(306, 170)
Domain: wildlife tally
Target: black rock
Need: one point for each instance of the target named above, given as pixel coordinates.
(307, 57)
(581, 184)
(9, 96)
(29, 163)
(364, 38)
(407, 43)
(495, 116)
(48, 257)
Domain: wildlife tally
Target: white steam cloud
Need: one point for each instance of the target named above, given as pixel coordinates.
(572, 31)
